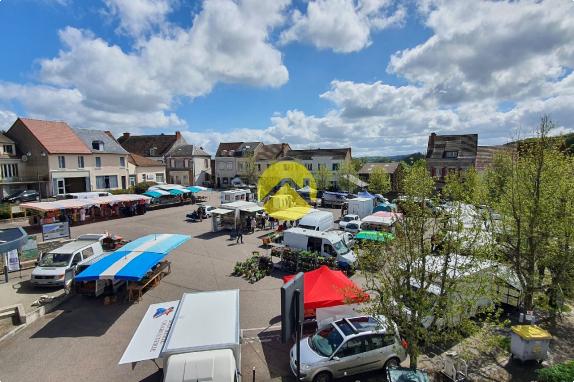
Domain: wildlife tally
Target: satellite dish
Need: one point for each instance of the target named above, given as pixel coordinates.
(24, 158)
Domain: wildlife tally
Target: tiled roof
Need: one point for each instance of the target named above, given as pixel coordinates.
(248, 147)
(309, 154)
(189, 151)
(389, 168)
(465, 144)
(111, 146)
(56, 137)
(5, 139)
(226, 146)
(140, 161)
(141, 144)
(270, 152)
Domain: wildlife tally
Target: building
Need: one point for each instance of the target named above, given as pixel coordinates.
(142, 169)
(269, 154)
(156, 147)
(189, 165)
(11, 169)
(231, 162)
(108, 165)
(314, 159)
(390, 168)
(53, 154)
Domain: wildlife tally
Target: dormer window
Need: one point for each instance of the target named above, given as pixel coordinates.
(98, 145)
(152, 151)
(451, 154)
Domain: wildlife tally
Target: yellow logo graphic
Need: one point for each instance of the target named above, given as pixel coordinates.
(277, 189)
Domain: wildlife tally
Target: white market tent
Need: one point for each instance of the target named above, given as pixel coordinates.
(71, 204)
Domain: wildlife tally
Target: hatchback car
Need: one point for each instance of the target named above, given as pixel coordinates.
(22, 196)
(347, 219)
(349, 346)
(353, 227)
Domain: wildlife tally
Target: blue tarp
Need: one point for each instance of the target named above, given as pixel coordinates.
(194, 189)
(133, 260)
(152, 194)
(175, 191)
(365, 194)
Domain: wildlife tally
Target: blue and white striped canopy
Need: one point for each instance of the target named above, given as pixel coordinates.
(135, 259)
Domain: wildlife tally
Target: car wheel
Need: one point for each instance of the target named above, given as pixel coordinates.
(323, 376)
(392, 363)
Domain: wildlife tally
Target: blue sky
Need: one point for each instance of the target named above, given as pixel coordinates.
(376, 75)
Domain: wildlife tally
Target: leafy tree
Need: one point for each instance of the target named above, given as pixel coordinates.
(251, 170)
(346, 174)
(322, 177)
(531, 188)
(416, 277)
(358, 163)
(379, 181)
(465, 186)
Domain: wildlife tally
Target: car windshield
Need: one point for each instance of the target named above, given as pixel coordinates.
(341, 248)
(326, 341)
(55, 260)
(15, 194)
(348, 218)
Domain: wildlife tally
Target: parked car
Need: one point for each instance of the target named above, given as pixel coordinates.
(349, 346)
(57, 267)
(353, 227)
(347, 219)
(22, 196)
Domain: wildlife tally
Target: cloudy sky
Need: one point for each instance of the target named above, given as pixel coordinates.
(377, 75)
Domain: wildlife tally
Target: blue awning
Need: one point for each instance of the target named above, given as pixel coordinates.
(133, 260)
(366, 194)
(194, 189)
(175, 191)
(152, 194)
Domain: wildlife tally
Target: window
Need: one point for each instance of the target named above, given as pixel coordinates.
(9, 170)
(87, 252)
(122, 162)
(98, 145)
(258, 167)
(378, 341)
(335, 167)
(8, 149)
(230, 165)
(205, 163)
(61, 161)
(221, 165)
(80, 161)
(144, 177)
(106, 181)
(328, 249)
(186, 163)
(152, 151)
(132, 180)
(309, 166)
(98, 162)
(352, 347)
(451, 154)
(76, 259)
(159, 177)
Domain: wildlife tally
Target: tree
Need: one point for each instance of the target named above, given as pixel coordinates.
(464, 186)
(531, 188)
(322, 177)
(251, 170)
(379, 181)
(416, 278)
(346, 176)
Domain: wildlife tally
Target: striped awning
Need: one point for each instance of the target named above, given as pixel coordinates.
(176, 192)
(133, 260)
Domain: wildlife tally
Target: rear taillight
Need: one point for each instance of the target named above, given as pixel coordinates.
(405, 344)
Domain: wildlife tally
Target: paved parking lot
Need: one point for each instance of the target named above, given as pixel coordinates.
(84, 339)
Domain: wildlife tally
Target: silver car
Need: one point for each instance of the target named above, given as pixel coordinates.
(349, 346)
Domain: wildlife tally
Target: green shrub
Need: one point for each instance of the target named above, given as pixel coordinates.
(254, 268)
(128, 190)
(142, 187)
(561, 372)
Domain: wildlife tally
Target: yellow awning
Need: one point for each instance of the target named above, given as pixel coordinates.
(290, 214)
(531, 332)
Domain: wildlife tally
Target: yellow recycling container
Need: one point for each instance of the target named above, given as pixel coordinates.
(529, 342)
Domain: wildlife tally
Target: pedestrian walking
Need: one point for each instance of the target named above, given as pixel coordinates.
(239, 235)
(252, 225)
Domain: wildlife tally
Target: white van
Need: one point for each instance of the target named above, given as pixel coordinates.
(317, 221)
(53, 266)
(325, 243)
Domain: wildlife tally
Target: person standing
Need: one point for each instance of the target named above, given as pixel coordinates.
(239, 235)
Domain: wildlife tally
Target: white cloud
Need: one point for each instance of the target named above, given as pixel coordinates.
(7, 118)
(341, 25)
(138, 17)
(101, 83)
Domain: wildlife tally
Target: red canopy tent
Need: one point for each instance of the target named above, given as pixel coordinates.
(324, 287)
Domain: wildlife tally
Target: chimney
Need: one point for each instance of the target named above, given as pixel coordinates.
(126, 135)
(177, 135)
(430, 146)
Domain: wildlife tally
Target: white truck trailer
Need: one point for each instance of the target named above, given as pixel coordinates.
(198, 337)
(360, 206)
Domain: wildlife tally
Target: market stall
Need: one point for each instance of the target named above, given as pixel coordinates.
(88, 209)
(140, 263)
(325, 287)
(234, 215)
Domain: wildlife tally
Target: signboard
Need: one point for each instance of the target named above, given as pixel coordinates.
(16, 210)
(289, 319)
(151, 333)
(13, 261)
(55, 231)
(30, 249)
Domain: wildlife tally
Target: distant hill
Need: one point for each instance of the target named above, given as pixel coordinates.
(408, 158)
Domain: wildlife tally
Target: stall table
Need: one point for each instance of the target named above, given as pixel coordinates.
(135, 290)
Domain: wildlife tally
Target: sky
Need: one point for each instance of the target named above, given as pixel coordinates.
(376, 75)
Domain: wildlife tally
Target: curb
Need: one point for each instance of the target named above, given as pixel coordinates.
(36, 314)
